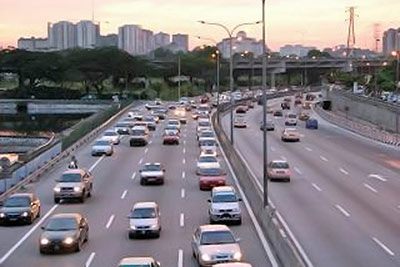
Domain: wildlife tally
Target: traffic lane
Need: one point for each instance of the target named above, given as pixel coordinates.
(303, 224)
(94, 208)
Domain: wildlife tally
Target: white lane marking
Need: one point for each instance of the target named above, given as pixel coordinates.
(90, 259)
(385, 248)
(183, 193)
(124, 194)
(302, 135)
(180, 258)
(146, 150)
(323, 158)
(184, 161)
(257, 226)
(184, 142)
(273, 149)
(110, 221)
(342, 210)
(19, 243)
(344, 171)
(370, 187)
(133, 176)
(183, 175)
(182, 220)
(97, 162)
(377, 176)
(184, 150)
(141, 161)
(308, 149)
(316, 187)
(151, 141)
(297, 170)
(284, 158)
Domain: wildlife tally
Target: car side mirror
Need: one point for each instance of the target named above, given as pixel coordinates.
(140, 171)
(240, 199)
(209, 200)
(42, 227)
(57, 180)
(238, 240)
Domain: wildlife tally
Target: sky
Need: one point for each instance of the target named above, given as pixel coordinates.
(320, 23)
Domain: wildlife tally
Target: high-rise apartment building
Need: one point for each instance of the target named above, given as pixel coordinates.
(182, 41)
(130, 39)
(62, 35)
(148, 41)
(391, 41)
(87, 34)
(241, 43)
(162, 39)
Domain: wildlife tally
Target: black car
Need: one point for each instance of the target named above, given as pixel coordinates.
(20, 208)
(278, 113)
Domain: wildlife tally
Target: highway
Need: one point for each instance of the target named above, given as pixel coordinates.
(116, 188)
(343, 202)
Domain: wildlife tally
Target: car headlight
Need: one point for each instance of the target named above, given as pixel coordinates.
(44, 241)
(68, 241)
(25, 214)
(2, 215)
(236, 209)
(237, 256)
(57, 189)
(133, 227)
(154, 226)
(205, 257)
(77, 189)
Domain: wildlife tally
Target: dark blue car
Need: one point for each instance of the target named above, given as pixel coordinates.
(312, 124)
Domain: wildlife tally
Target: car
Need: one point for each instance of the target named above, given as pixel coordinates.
(270, 125)
(205, 134)
(73, 184)
(310, 97)
(203, 115)
(188, 107)
(287, 99)
(250, 104)
(208, 144)
(171, 137)
(233, 264)
(135, 116)
(211, 177)
(175, 122)
(123, 128)
(203, 124)
(102, 147)
(64, 232)
(149, 122)
(204, 108)
(139, 137)
(20, 208)
(208, 152)
(307, 105)
(151, 118)
(144, 220)
(224, 205)
(290, 134)
(278, 170)
(172, 106)
(205, 161)
(241, 109)
(240, 121)
(152, 173)
(291, 120)
(195, 115)
(112, 136)
(212, 244)
(204, 99)
(278, 113)
(183, 100)
(297, 101)
(285, 105)
(304, 116)
(312, 124)
(158, 101)
(172, 127)
(139, 261)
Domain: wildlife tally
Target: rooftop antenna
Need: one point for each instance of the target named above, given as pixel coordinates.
(377, 36)
(351, 37)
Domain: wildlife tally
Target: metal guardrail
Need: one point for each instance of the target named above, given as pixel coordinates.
(287, 249)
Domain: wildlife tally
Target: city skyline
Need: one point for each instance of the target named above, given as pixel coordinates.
(182, 16)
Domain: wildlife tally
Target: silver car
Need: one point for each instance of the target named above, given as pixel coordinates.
(112, 136)
(144, 220)
(74, 184)
(102, 147)
(224, 205)
(139, 261)
(152, 173)
(233, 264)
(212, 244)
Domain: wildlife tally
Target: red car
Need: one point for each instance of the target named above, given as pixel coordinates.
(211, 177)
(171, 137)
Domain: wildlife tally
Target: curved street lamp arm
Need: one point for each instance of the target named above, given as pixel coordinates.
(219, 25)
(243, 24)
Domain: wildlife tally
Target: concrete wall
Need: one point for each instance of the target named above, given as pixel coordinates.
(55, 108)
(377, 112)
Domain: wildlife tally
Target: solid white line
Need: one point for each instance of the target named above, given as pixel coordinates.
(183, 193)
(385, 248)
(370, 187)
(97, 162)
(133, 175)
(19, 243)
(377, 176)
(297, 170)
(110, 221)
(184, 161)
(316, 187)
(344, 171)
(308, 149)
(180, 258)
(124, 194)
(342, 210)
(90, 259)
(141, 161)
(183, 175)
(146, 150)
(323, 158)
(182, 220)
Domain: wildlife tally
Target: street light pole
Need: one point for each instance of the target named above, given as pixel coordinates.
(264, 96)
(179, 77)
(230, 34)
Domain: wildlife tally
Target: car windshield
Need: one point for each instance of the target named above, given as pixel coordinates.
(110, 134)
(217, 237)
(201, 108)
(122, 124)
(207, 159)
(102, 143)
(172, 126)
(289, 131)
(61, 224)
(173, 122)
(218, 198)
(206, 134)
(204, 123)
(138, 132)
(207, 143)
(17, 202)
(170, 133)
(292, 116)
(70, 177)
(150, 119)
(142, 213)
(153, 168)
(280, 165)
(211, 171)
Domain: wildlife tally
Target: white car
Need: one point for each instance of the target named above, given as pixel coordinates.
(203, 124)
(206, 161)
(152, 173)
(224, 205)
(233, 264)
(139, 261)
(135, 116)
(208, 144)
(205, 134)
(144, 220)
(290, 134)
(102, 147)
(112, 136)
(174, 122)
(209, 152)
(240, 121)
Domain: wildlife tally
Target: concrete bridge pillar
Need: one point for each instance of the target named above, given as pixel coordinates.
(273, 83)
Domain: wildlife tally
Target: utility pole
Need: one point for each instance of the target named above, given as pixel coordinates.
(264, 96)
(179, 77)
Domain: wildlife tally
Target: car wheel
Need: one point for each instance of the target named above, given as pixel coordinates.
(131, 235)
(239, 222)
(31, 219)
(162, 182)
(38, 214)
(86, 237)
(56, 200)
(142, 182)
(89, 194)
(42, 251)
(157, 235)
(78, 246)
(82, 198)
(212, 221)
